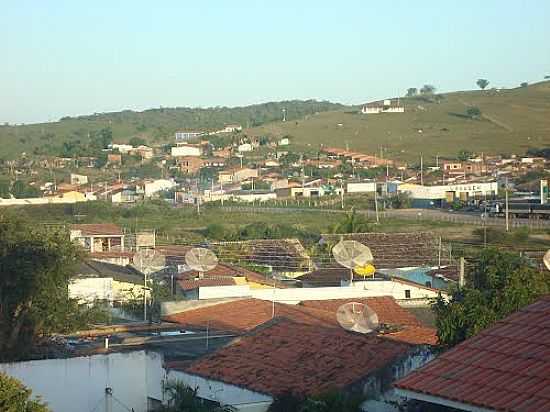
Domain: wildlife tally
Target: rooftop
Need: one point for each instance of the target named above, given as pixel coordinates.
(96, 269)
(505, 367)
(244, 315)
(98, 229)
(308, 359)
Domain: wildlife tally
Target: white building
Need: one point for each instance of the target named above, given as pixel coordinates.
(183, 136)
(186, 150)
(78, 179)
(122, 148)
(462, 191)
(361, 187)
(158, 185)
(231, 128)
(383, 106)
(283, 142)
(245, 147)
(67, 385)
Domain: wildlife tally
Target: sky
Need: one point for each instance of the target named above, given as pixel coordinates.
(62, 58)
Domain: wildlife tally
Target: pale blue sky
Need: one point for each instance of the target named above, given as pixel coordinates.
(78, 57)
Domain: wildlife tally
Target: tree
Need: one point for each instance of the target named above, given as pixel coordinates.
(428, 89)
(464, 155)
(482, 83)
(412, 91)
(15, 397)
(499, 284)
(35, 267)
(137, 141)
(183, 398)
(524, 84)
(473, 112)
(546, 77)
(352, 223)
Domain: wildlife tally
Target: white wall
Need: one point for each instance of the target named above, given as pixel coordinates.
(362, 289)
(91, 289)
(78, 384)
(361, 187)
(157, 186)
(240, 398)
(439, 192)
(186, 151)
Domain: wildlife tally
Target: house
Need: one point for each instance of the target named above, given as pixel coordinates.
(100, 281)
(503, 368)
(121, 148)
(145, 152)
(308, 354)
(237, 175)
(100, 237)
(223, 153)
(183, 136)
(467, 168)
(125, 195)
(383, 106)
(78, 180)
(190, 164)
(186, 150)
(114, 159)
(245, 147)
(231, 128)
(361, 187)
(283, 141)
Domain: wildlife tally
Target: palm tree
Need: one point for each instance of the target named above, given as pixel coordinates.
(352, 223)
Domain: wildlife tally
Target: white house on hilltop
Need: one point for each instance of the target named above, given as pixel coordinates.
(383, 106)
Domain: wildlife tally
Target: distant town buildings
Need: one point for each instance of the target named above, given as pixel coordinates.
(383, 106)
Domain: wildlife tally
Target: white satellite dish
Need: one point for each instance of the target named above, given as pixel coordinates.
(149, 261)
(357, 317)
(546, 259)
(352, 254)
(201, 259)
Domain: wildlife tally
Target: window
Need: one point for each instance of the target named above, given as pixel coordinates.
(407, 293)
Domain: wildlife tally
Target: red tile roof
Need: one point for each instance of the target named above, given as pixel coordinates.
(190, 284)
(505, 367)
(386, 308)
(244, 315)
(305, 359)
(101, 229)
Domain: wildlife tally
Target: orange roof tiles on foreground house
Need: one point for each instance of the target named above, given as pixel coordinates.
(299, 358)
(244, 315)
(505, 367)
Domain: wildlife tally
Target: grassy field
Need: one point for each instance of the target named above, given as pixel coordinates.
(183, 225)
(513, 121)
(156, 126)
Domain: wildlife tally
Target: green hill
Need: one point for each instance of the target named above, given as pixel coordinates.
(155, 125)
(511, 122)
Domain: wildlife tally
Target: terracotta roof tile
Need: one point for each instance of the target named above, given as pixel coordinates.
(244, 315)
(505, 367)
(104, 229)
(305, 359)
(190, 284)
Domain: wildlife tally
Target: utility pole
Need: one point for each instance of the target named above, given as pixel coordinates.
(507, 214)
(421, 170)
(461, 275)
(376, 203)
(342, 193)
(108, 399)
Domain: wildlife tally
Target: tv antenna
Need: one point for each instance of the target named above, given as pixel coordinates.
(148, 261)
(352, 254)
(201, 259)
(546, 259)
(357, 317)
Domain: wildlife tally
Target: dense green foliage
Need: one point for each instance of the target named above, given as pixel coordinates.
(35, 267)
(498, 284)
(482, 83)
(83, 135)
(182, 398)
(352, 223)
(328, 402)
(15, 397)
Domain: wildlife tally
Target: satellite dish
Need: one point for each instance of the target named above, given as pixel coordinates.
(201, 259)
(352, 254)
(357, 317)
(149, 261)
(546, 259)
